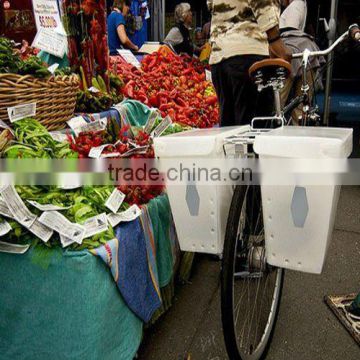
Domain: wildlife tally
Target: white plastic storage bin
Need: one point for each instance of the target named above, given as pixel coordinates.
(200, 211)
(299, 219)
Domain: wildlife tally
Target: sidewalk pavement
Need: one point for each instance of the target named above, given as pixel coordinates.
(306, 328)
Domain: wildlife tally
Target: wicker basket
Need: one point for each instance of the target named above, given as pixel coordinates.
(55, 97)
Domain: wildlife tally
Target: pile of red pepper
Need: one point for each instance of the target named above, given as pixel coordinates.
(176, 85)
(135, 194)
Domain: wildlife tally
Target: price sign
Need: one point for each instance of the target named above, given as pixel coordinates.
(51, 41)
(129, 57)
(47, 14)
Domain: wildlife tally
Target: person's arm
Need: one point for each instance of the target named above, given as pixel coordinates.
(267, 14)
(125, 41)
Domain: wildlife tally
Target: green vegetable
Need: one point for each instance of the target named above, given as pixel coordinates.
(32, 140)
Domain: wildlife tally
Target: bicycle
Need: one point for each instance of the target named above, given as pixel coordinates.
(250, 287)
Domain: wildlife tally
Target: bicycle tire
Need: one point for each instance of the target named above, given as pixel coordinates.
(228, 283)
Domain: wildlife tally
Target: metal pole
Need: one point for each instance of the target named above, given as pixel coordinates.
(329, 72)
(163, 19)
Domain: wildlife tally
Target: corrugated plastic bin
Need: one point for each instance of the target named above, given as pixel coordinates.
(299, 218)
(200, 211)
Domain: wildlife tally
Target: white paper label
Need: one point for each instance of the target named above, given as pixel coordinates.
(4, 209)
(76, 123)
(59, 223)
(110, 155)
(162, 127)
(51, 41)
(115, 200)
(97, 125)
(151, 121)
(53, 68)
(65, 242)
(60, 136)
(96, 225)
(5, 227)
(94, 90)
(47, 207)
(41, 231)
(13, 248)
(17, 207)
(208, 75)
(129, 57)
(96, 152)
(130, 214)
(19, 112)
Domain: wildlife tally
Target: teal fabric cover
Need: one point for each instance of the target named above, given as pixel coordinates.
(63, 305)
(51, 59)
(137, 113)
(160, 214)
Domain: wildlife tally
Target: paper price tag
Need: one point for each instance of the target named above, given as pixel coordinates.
(129, 57)
(59, 136)
(51, 41)
(59, 223)
(4, 209)
(5, 228)
(151, 122)
(162, 127)
(65, 242)
(17, 207)
(208, 75)
(13, 248)
(41, 231)
(97, 125)
(47, 207)
(132, 213)
(115, 200)
(96, 152)
(96, 225)
(19, 112)
(53, 68)
(76, 123)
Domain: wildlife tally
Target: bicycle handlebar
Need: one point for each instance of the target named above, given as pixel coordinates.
(353, 32)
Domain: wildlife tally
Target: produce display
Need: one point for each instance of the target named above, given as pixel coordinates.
(11, 62)
(176, 85)
(84, 209)
(32, 140)
(85, 24)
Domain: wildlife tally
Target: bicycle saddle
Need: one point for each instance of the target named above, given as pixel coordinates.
(270, 73)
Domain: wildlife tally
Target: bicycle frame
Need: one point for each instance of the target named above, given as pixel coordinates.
(306, 55)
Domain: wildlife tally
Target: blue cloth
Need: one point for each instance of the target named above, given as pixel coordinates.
(127, 258)
(114, 20)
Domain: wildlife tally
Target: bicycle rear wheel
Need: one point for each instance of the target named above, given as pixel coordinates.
(250, 288)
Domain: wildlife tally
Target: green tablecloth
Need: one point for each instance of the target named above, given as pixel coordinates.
(70, 309)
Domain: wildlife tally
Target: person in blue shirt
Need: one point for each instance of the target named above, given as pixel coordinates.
(116, 23)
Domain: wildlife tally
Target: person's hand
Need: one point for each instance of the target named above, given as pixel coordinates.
(277, 49)
(136, 48)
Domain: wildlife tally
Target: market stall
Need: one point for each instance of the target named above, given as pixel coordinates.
(89, 264)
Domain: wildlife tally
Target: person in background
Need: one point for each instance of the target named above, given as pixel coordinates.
(199, 38)
(292, 25)
(242, 33)
(116, 22)
(179, 36)
(206, 30)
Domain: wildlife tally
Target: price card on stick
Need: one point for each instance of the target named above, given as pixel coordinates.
(51, 41)
(23, 111)
(129, 57)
